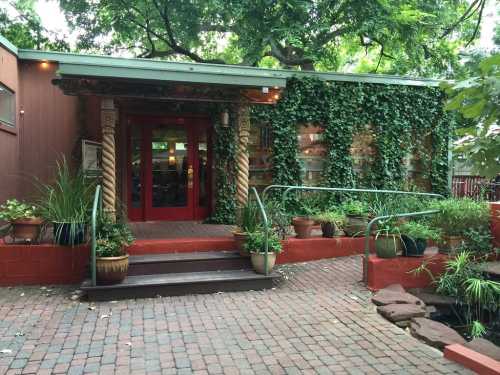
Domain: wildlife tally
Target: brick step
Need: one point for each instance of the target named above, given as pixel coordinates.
(176, 284)
(186, 262)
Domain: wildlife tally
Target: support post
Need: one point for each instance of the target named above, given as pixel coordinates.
(108, 122)
(242, 154)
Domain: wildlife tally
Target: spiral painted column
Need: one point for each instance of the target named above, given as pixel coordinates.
(108, 121)
(242, 154)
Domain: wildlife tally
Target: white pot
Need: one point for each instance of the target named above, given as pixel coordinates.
(258, 260)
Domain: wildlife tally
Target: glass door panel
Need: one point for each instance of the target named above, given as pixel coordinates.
(169, 166)
(135, 167)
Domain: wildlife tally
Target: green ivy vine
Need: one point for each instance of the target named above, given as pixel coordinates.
(224, 155)
(404, 120)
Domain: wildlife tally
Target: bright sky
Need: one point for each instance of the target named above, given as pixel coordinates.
(53, 19)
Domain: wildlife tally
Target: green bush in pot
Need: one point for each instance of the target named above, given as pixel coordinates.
(248, 221)
(303, 220)
(415, 235)
(357, 215)
(388, 242)
(67, 204)
(24, 220)
(456, 218)
(255, 245)
(332, 222)
(111, 258)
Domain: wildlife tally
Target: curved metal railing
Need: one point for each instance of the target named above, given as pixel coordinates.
(266, 227)
(96, 208)
(289, 188)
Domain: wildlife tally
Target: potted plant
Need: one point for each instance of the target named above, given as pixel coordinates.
(414, 236)
(331, 222)
(23, 218)
(66, 203)
(388, 242)
(255, 245)
(357, 214)
(303, 222)
(455, 218)
(111, 257)
(248, 222)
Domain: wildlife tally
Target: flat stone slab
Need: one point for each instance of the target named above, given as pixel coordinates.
(398, 312)
(484, 347)
(390, 296)
(493, 268)
(434, 299)
(434, 333)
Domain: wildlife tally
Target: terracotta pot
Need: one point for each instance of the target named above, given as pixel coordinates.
(356, 226)
(27, 229)
(258, 260)
(302, 226)
(450, 244)
(111, 270)
(329, 229)
(388, 246)
(240, 238)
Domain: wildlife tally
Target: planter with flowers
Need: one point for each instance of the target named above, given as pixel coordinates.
(24, 220)
(111, 256)
(255, 245)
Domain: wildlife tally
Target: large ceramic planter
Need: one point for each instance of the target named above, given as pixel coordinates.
(388, 246)
(356, 226)
(26, 229)
(450, 244)
(240, 239)
(413, 247)
(258, 262)
(111, 270)
(69, 234)
(302, 226)
(329, 229)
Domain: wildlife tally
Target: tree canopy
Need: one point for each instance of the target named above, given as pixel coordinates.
(416, 36)
(25, 30)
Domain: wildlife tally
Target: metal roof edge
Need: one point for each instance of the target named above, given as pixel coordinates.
(137, 64)
(8, 45)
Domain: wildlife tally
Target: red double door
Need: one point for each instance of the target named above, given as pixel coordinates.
(168, 168)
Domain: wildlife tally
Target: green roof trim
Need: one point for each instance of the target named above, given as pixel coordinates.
(8, 45)
(72, 64)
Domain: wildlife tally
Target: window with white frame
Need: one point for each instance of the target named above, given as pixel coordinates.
(7, 107)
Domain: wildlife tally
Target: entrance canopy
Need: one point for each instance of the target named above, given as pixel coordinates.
(104, 75)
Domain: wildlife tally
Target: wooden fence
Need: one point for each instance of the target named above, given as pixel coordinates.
(475, 187)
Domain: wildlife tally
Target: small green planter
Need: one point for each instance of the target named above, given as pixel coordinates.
(388, 246)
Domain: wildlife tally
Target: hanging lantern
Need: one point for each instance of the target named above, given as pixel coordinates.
(224, 118)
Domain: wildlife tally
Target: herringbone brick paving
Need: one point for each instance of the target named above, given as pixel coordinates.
(318, 320)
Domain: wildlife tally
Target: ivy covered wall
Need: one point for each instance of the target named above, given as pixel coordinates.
(406, 122)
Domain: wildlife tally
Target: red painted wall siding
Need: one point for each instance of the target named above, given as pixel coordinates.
(9, 138)
(50, 125)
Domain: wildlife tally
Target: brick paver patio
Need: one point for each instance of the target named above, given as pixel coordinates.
(318, 321)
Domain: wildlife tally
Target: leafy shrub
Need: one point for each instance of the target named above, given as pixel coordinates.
(334, 217)
(255, 243)
(417, 230)
(457, 216)
(249, 219)
(13, 210)
(112, 237)
(355, 208)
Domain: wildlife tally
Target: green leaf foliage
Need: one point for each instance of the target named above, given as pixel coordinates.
(404, 120)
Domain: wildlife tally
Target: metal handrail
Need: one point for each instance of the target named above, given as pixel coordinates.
(377, 219)
(96, 206)
(266, 228)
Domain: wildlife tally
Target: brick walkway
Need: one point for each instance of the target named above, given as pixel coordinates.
(319, 320)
